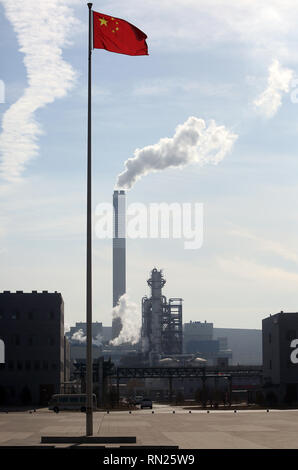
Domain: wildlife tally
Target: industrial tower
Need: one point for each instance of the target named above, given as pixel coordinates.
(161, 321)
(119, 254)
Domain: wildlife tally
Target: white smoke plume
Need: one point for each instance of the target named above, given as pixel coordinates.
(79, 337)
(193, 143)
(98, 341)
(130, 317)
(279, 80)
(43, 29)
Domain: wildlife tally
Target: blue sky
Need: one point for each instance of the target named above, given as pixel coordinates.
(208, 59)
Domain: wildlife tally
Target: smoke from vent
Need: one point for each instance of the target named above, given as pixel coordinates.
(130, 317)
(79, 337)
(194, 142)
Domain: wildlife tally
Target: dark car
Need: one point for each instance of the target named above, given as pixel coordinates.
(146, 403)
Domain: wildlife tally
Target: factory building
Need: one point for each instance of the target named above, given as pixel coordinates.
(245, 343)
(161, 321)
(119, 254)
(198, 338)
(32, 329)
(280, 358)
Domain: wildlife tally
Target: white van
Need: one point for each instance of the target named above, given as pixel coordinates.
(67, 401)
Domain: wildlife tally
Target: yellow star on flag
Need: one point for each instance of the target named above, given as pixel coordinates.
(103, 22)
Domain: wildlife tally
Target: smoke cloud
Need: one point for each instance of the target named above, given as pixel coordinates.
(130, 317)
(42, 30)
(194, 142)
(279, 80)
(79, 337)
(98, 341)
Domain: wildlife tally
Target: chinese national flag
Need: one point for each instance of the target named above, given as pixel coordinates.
(116, 35)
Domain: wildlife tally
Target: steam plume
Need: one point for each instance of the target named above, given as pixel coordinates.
(42, 30)
(193, 142)
(130, 317)
(79, 336)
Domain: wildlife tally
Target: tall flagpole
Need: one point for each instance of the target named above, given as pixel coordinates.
(89, 365)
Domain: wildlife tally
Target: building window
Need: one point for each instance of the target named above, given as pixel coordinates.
(19, 365)
(30, 315)
(36, 365)
(28, 365)
(45, 365)
(10, 365)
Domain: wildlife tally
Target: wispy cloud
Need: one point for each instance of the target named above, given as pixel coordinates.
(243, 268)
(173, 85)
(42, 29)
(279, 79)
(267, 245)
(266, 27)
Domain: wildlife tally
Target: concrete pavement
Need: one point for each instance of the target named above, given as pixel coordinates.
(247, 429)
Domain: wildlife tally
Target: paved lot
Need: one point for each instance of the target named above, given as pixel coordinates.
(247, 429)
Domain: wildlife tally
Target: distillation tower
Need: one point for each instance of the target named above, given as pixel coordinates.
(161, 321)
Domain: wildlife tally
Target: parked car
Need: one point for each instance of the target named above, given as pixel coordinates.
(69, 401)
(146, 403)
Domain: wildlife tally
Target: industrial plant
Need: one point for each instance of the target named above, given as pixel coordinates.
(161, 321)
(168, 358)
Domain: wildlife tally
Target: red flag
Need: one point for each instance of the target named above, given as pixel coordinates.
(116, 35)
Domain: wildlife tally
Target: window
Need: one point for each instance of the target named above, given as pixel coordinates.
(10, 365)
(74, 399)
(19, 365)
(36, 365)
(45, 365)
(30, 315)
(28, 365)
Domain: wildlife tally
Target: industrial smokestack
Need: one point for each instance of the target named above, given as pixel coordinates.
(119, 255)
